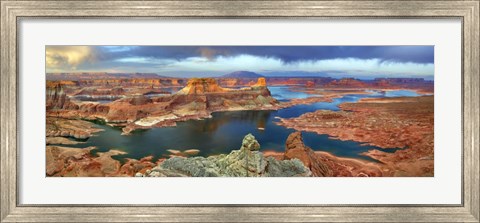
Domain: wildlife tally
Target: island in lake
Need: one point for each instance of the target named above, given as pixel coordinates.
(239, 111)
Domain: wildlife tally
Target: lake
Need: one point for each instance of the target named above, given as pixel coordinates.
(225, 130)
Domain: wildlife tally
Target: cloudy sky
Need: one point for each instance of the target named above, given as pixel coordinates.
(203, 61)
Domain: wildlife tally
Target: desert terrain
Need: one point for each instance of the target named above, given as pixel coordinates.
(396, 130)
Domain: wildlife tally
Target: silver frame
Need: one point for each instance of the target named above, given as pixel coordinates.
(13, 11)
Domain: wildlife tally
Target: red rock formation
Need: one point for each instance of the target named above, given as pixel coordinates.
(261, 82)
(202, 86)
(79, 162)
(133, 166)
(94, 91)
(347, 82)
(382, 83)
(56, 98)
(310, 84)
(78, 129)
(138, 100)
(76, 162)
(295, 148)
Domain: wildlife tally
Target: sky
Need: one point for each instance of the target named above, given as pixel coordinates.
(363, 62)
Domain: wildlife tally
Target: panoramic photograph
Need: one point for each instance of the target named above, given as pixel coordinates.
(239, 111)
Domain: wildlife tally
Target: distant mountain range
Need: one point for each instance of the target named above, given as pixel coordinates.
(74, 76)
(242, 74)
(100, 75)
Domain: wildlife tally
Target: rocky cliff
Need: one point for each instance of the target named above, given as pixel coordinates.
(56, 98)
(246, 162)
(296, 149)
(202, 86)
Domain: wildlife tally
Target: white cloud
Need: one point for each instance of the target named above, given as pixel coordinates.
(68, 57)
(361, 67)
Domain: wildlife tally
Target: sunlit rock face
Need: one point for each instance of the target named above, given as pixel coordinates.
(201, 86)
(204, 94)
(261, 82)
(296, 149)
(246, 162)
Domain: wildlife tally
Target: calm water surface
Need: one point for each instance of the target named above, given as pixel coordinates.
(225, 130)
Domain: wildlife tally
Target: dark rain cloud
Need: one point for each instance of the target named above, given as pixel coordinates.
(288, 54)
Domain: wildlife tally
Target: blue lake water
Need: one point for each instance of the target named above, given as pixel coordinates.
(225, 130)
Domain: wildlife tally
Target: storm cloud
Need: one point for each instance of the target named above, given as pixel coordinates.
(287, 54)
(216, 60)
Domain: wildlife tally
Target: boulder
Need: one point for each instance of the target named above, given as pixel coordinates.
(249, 143)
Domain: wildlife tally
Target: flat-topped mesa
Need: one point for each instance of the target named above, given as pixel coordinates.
(95, 91)
(202, 86)
(347, 82)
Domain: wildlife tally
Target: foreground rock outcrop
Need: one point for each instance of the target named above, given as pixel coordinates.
(80, 162)
(246, 162)
(296, 149)
(78, 129)
(74, 162)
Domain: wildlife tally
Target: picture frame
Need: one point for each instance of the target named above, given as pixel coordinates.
(14, 11)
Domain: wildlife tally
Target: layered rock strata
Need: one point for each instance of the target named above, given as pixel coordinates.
(78, 129)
